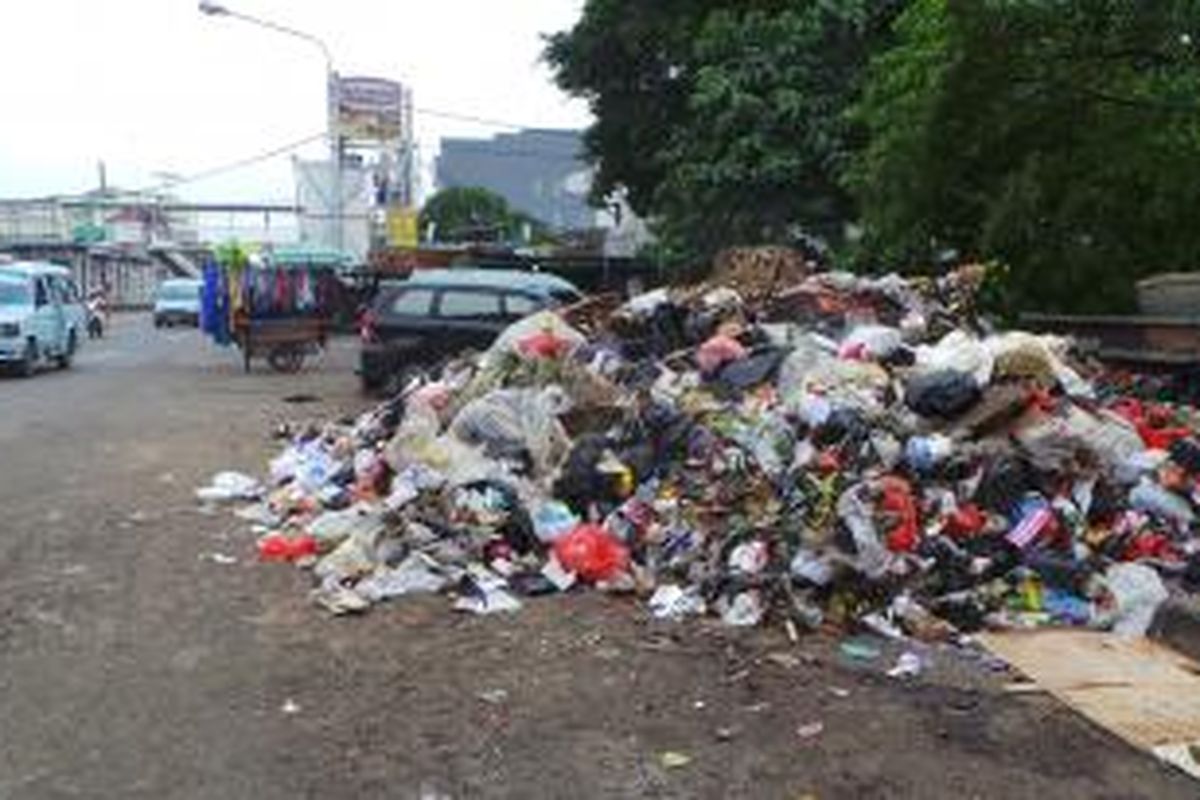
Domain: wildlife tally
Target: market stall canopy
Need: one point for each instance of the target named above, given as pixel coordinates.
(310, 256)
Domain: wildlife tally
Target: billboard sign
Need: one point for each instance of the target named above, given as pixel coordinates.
(367, 109)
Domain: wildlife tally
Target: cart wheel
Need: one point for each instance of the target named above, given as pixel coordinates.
(286, 358)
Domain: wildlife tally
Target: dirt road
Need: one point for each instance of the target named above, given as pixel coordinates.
(134, 665)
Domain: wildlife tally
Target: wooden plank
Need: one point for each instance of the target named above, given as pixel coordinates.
(1140, 690)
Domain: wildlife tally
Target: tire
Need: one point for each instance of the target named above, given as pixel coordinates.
(27, 366)
(64, 361)
(287, 359)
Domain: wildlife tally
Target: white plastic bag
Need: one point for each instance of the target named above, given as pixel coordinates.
(416, 574)
(1138, 592)
(961, 352)
(542, 322)
(873, 341)
(229, 486)
(514, 420)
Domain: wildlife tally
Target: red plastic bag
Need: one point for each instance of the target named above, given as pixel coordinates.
(277, 547)
(965, 521)
(592, 553)
(543, 344)
(719, 351)
(898, 500)
(1153, 423)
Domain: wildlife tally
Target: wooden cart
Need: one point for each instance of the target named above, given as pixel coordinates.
(285, 341)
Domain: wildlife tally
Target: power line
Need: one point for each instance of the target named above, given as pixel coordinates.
(494, 123)
(283, 149)
(232, 166)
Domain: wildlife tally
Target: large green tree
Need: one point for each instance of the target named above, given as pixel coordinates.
(1061, 136)
(470, 213)
(724, 120)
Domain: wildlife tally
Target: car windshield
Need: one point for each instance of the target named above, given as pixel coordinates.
(14, 294)
(178, 293)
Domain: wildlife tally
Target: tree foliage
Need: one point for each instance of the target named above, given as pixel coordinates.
(468, 214)
(1062, 137)
(723, 120)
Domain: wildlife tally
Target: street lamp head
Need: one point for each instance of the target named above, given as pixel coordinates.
(212, 9)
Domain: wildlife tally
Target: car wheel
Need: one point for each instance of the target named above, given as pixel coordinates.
(28, 365)
(64, 361)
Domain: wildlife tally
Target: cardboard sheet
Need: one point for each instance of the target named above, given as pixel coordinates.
(1138, 689)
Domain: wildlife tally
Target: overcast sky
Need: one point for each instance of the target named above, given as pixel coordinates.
(153, 86)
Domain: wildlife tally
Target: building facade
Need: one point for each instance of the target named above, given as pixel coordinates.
(540, 172)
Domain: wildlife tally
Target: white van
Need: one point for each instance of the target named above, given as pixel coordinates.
(42, 317)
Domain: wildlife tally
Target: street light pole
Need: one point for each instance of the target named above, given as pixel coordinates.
(214, 9)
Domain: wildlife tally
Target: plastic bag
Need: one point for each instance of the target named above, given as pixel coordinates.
(946, 394)
(485, 593)
(808, 352)
(1056, 442)
(857, 385)
(744, 610)
(544, 345)
(1149, 496)
(717, 352)
(416, 574)
(229, 486)
(961, 352)
(352, 559)
(871, 342)
(1137, 592)
(333, 527)
(509, 422)
(544, 322)
(855, 511)
(645, 304)
(592, 553)
(749, 558)
(673, 602)
(926, 453)
(1024, 355)
(553, 520)
(277, 547)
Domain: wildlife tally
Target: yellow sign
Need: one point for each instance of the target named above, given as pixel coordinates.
(403, 227)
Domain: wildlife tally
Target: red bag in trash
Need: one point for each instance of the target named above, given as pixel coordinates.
(1153, 423)
(719, 351)
(277, 547)
(965, 521)
(592, 553)
(543, 344)
(898, 500)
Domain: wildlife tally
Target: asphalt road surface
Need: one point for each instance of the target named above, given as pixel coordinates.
(135, 663)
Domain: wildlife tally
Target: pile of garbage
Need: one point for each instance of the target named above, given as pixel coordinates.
(842, 451)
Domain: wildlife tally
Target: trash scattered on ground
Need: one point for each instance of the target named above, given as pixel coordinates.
(818, 451)
(811, 730)
(219, 558)
(674, 760)
(494, 697)
(859, 650)
(909, 665)
(229, 486)
(290, 706)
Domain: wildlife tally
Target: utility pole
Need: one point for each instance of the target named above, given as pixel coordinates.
(336, 144)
